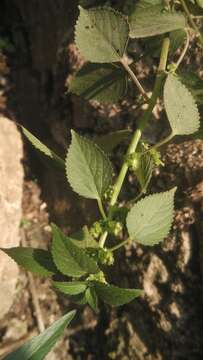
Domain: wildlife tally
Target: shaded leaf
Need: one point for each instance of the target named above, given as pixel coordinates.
(37, 261)
(42, 147)
(84, 239)
(148, 20)
(180, 107)
(144, 172)
(109, 141)
(150, 219)
(92, 298)
(38, 347)
(88, 169)
(69, 259)
(102, 82)
(101, 34)
(71, 287)
(115, 296)
(194, 84)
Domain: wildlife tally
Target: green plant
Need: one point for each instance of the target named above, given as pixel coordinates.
(102, 35)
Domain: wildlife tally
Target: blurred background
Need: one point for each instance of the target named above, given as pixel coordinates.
(37, 60)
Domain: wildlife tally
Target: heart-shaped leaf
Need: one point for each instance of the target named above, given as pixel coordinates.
(149, 221)
(101, 34)
(37, 261)
(38, 347)
(115, 296)
(88, 169)
(106, 83)
(149, 20)
(69, 259)
(180, 107)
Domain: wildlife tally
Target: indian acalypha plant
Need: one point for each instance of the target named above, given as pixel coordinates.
(102, 36)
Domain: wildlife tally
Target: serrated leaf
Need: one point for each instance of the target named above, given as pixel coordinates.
(115, 296)
(71, 287)
(194, 84)
(69, 259)
(38, 347)
(101, 34)
(79, 299)
(148, 20)
(83, 239)
(150, 219)
(102, 82)
(144, 172)
(180, 107)
(37, 261)
(109, 141)
(92, 299)
(42, 147)
(88, 169)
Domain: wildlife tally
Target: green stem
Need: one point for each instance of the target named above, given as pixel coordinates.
(162, 142)
(192, 22)
(134, 78)
(101, 208)
(138, 133)
(116, 247)
(187, 43)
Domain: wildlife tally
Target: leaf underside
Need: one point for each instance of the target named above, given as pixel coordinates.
(88, 169)
(101, 34)
(105, 83)
(152, 20)
(150, 219)
(180, 107)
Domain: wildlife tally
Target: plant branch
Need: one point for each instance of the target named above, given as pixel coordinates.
(138, 133)
(162, 142)
(187, 43)
(134, 78)
(116, 247)
(101, 208)
(192, 22)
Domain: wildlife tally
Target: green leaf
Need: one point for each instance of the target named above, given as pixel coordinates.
(83, 239)
(148, 20)
(115, 296)
(109, 141)
(200, 3)
(37, 261)
(177, 39)
(194, 84)
(69, 259)
(106, 83)
(92, 298)
(41, 147)
(149, 221)
(180, 107)
(88, 169)
(71, 287)
(101, 34)
(144, 172)
(38, 347)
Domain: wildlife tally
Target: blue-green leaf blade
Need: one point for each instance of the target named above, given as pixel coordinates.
(38, 347)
